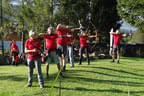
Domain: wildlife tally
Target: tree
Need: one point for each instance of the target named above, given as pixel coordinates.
(5, 8)
(65, 12)
(132, 11)
(32, 14)
(97, 15)
(104, 16)
(35, 14)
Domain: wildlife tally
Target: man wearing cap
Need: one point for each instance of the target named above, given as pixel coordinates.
(116, 45)
(50, 39)
(33, 59)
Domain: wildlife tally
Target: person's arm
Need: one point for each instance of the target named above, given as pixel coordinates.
(75, 29)
(124, 35)
(130, 34)
(112, 33)
(42, 34)
(94, 36)
(28, 51)
(63, 36)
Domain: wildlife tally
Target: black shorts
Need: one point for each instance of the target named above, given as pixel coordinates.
(116, 48)
(61, 50)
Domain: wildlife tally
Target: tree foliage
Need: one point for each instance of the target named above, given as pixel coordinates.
(104, 16)
(98, 15)
(34, 14)
(132, 11)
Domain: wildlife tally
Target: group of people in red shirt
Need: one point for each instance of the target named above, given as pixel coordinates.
(57, 45)
(56, 48)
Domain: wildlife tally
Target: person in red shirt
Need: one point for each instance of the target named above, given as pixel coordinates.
(32, 46)
(116, 44)
(70, 41)
(50, 39)
(84, 45)
(14, 52)
(62, 32)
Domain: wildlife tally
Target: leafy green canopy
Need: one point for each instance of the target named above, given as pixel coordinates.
(132, 11)
(34, 14)
(66, 15)
(103, 15)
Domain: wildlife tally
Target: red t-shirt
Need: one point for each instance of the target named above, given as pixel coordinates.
(117, 39)
(14, 47)
(51, 41)
(62, 40)
(70, 39)
(29, 46)
(83, 41)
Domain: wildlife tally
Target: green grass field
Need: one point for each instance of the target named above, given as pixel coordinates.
(101, 78)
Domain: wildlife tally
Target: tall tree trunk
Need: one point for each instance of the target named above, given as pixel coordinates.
(51, 13)
(2, 47)
(22, 42)
(23, 31)
(1, 25)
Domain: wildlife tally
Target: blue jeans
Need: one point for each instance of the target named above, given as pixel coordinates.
(37, 64)
(70, 54)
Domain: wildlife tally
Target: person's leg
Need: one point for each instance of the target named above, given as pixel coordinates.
(64, 63)
(13, 63)
(16, 59)
(71, 57)
(13, 58)
(48, 61)
(59, 53)
(67, 55)
(39, 72)
(55, 57)
(30, 72)
(118, 54)
(113, 56)
(47, 70)
(114, 53)
(87, 54)
(64, 51)
(61, 61)
(81, 52)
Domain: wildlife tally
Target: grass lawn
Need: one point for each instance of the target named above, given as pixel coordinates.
(101, 78)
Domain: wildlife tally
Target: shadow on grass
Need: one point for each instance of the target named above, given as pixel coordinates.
(132, 58)
(121, 71)
(112, 75)
(73, 78)
(12, 78)
(112, 82)
(100, 90)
